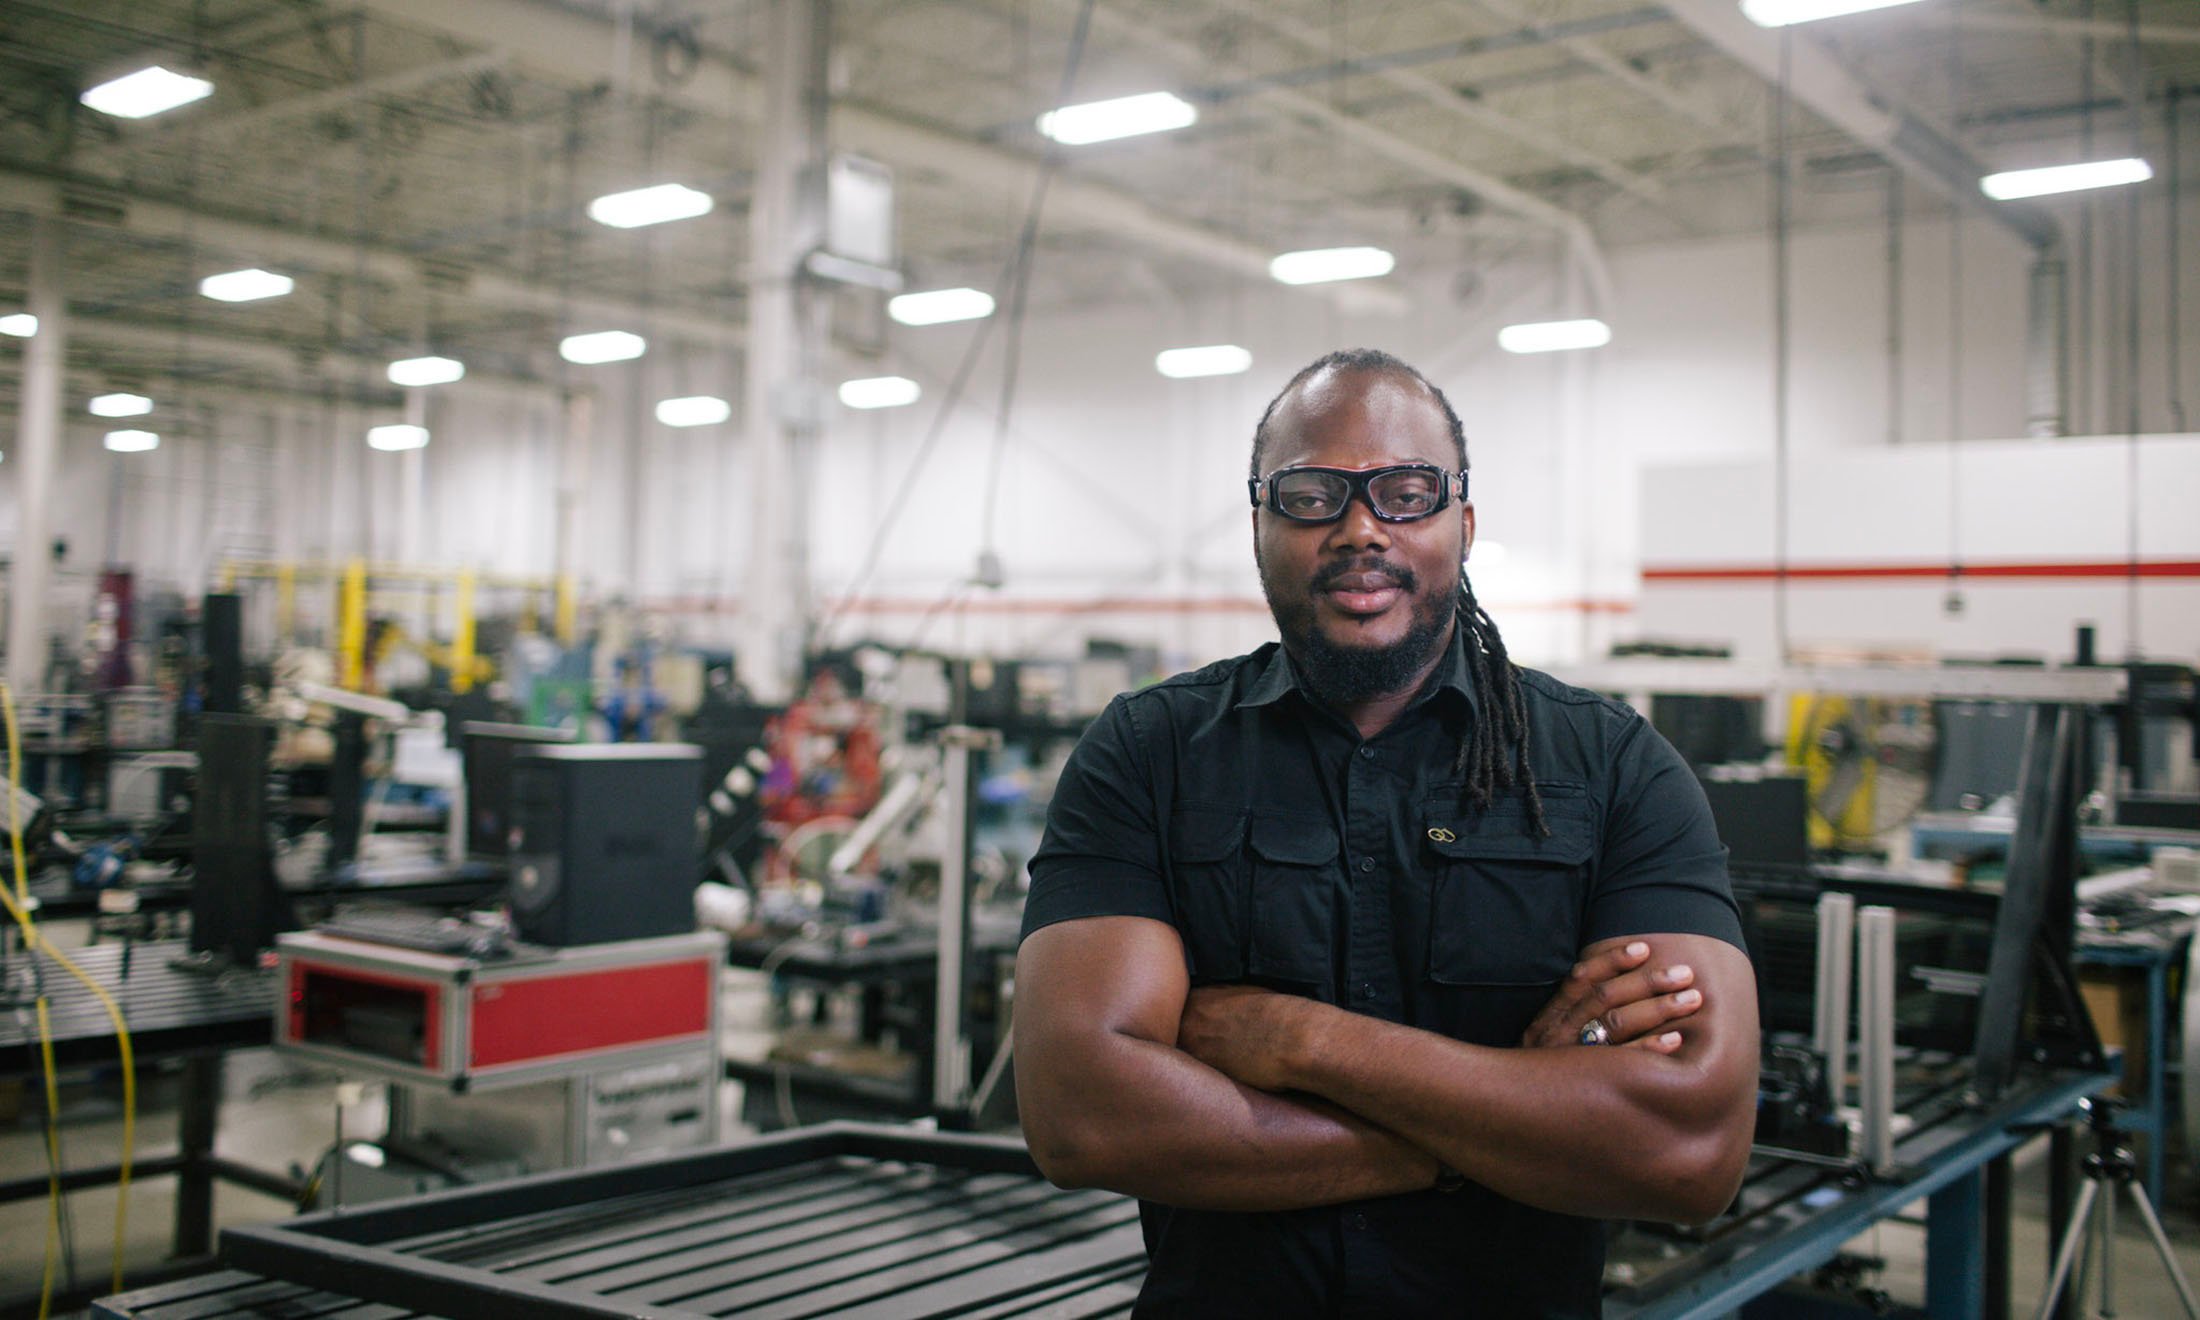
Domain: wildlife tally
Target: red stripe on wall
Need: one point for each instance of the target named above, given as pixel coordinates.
(1742, 573)
(1103, 605)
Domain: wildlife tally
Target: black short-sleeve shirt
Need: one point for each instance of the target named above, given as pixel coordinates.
(1290, 853)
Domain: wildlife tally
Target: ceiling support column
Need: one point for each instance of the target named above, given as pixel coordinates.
(783, 401)
(37, 438)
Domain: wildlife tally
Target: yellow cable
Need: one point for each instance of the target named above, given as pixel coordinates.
(35, 942)
(53, 1161)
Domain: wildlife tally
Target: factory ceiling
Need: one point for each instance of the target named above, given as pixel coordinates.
(422, 168)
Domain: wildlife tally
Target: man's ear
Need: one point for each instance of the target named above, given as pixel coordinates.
(1466, 523)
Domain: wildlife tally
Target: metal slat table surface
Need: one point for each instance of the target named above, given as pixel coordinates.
(840, 1220)
(847, 1220)
(171, 1012)
(174, 1010)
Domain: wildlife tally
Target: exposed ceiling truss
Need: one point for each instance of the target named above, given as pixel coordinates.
(422, 165)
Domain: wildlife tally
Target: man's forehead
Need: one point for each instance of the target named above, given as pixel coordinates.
(1386, 415)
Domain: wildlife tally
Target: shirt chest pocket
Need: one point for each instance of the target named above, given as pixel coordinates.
(1255, 896)
(1506, 907)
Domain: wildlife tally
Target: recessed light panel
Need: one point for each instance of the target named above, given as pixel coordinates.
(121, 405)
(397, 436)
(939, 306)
(1782, 13)
(1554, 336)
(2012, 184)
(602, 346)
(694, 410)
(419, 371)
(649, 206)
(1206, 360)
(249, 285)
(147, 92)
(1322, 265)
(1125, 116)
(880, 392)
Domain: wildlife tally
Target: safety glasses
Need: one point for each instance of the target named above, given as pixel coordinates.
(1403, 492)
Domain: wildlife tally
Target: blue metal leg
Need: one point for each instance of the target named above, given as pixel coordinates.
(1955, 1285)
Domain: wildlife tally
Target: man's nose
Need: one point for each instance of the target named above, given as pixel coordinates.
(1358, 527)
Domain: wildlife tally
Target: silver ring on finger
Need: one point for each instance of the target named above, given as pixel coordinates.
(1594, 1032)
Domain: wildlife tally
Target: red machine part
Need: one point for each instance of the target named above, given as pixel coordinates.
(537, 1019)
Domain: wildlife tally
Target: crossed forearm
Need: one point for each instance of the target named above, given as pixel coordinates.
(1145, 1118)
(1599, 1132)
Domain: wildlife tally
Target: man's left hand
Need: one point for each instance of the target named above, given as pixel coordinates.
(1246, 1033)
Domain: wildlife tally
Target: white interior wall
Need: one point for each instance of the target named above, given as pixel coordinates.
(2043, 529)
(1121, 499)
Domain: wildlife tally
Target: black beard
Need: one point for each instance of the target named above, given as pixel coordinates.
(1347, 674)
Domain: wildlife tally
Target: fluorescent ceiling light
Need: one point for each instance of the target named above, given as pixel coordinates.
(1125, 116)
(20, 324)
(429, 370)
(1208, 360)
(1554, 336)
(879, 392)
(249, 285)
(1321, 265)
(1781, 13)
(649, 206)
(2012, 184)
(132, 442)
(939, 306)
(602, 346)
(694, 410)
(397, 435)
(121, 405)
(145, 93)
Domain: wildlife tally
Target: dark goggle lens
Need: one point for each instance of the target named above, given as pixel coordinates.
(1320, 496)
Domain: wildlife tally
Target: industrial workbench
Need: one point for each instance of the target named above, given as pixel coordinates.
(846, 1220)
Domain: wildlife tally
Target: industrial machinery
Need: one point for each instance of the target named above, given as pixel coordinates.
(504, 1058)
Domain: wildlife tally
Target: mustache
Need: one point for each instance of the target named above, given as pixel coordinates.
(1397, 574)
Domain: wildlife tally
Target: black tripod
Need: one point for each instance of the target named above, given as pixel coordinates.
(2110, 1163)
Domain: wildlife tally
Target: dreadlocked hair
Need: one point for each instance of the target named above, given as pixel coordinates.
(1494, 753)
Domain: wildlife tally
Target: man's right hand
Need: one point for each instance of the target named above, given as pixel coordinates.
(1635, 1003)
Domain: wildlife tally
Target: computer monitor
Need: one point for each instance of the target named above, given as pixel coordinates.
(486, 752)
(1764, 821)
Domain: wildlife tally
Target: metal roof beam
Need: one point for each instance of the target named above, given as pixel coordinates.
(92, 204)
(1818, 81)
(582, 48)
(1451, 102)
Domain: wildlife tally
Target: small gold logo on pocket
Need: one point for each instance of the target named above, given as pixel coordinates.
(1442, 835)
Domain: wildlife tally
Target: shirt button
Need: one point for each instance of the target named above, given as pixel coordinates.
(1367, 753)
(1367, 864)
(1359, 1221)
(1367, 989)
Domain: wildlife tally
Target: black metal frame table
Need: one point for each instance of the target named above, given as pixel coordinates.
(1958, 1165)
(175, 1011)
(842, 1220)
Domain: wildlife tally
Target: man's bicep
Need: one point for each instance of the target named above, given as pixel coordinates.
(1124, 975)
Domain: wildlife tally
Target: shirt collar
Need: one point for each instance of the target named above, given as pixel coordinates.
(1278, 676)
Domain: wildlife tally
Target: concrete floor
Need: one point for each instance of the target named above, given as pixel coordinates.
(277, 1115)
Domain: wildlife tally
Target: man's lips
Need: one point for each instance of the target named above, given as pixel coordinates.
(1363, 590)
